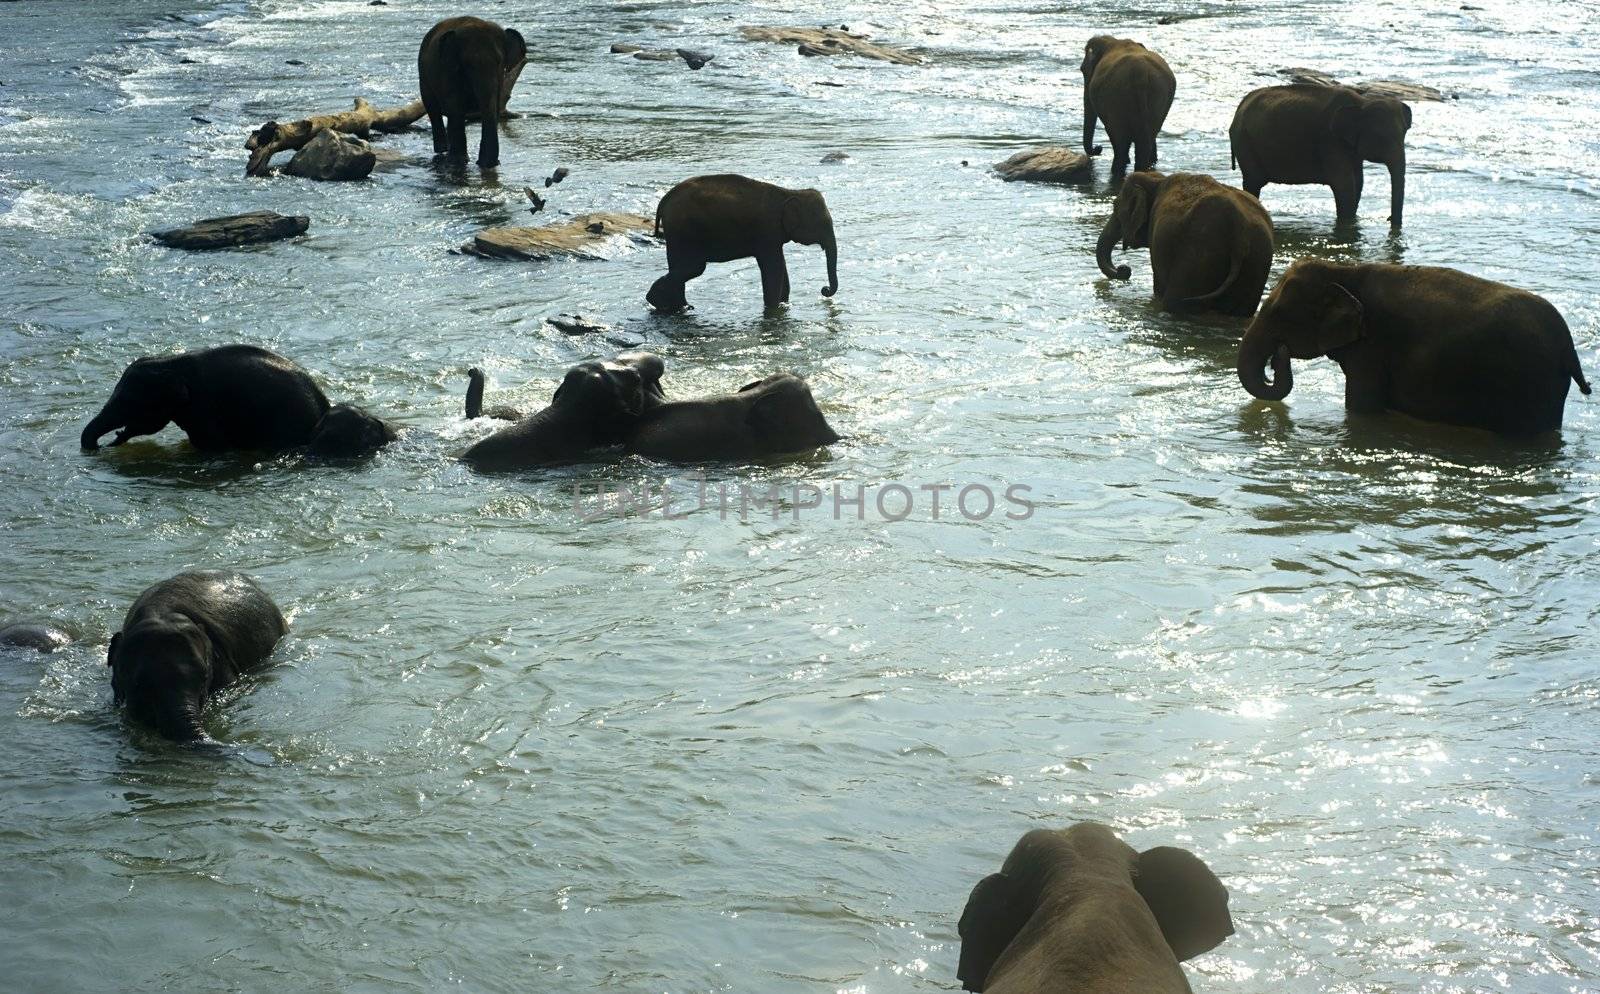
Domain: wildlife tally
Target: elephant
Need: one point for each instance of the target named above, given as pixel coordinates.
(1078, 910)
(726, 217)
(1309, 133)
(232, 397)
(475, 408)
(595, 405)
(1210, 245)
(467, 66)
(38, 636)
(1128, 88)
(1431, 342)
(772, 416)
(185, 638)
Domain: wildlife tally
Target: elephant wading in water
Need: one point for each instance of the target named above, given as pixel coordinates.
(772, 416)
(1078, 910)
(1130, 89)
(184, 639)
(596, 405)
(1433, 343)
(234, 397)
(721, 218)
(1305, 133)
(1210, 245)
(466, 66)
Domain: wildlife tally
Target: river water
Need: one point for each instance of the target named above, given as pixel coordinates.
(511, 744)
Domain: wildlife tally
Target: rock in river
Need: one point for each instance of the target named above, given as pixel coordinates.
(830, 41)
(333, 156)
(1046, 165)
(575, 238)
(235, 229)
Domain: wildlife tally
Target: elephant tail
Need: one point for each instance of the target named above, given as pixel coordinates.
(660, 205)
(1235, 264)
(1576, 370)
(1577, 373)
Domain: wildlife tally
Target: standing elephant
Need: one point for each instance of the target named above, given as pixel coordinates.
(596, 405)
(466, 66)
(1210, 245)
(772, 416)
(184, 639)
(726, 217)
(1433, 343)
(233, 397)
(1076, 911)
(1130, 89)
(1308, 133)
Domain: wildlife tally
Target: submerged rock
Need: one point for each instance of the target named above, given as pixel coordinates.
(1046, 165)
(235, 229)
(333, 156)
(575, 238)
(576, 324)
(623, 48)
(694, 58)
(836, 157)
(829, 41)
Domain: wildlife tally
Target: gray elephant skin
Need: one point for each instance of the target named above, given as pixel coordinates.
(772, 416)
(466, 67)
(1129, 89)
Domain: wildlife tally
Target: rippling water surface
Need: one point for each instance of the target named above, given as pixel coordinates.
(1350, 661)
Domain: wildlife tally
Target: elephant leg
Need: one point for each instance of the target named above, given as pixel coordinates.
(458, 136)
(774, 278)
(487, 94)
(1347, 195)
(1366, 383)
(1119, 157)
(441, 142)
(666, 294)
(1144, 153)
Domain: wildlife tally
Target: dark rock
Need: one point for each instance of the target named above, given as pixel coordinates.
(576, 324)
(828, 82)
(660, 55)
(333, 156)
(235, 229)
(199, 120)
(1169, 19)
(694, 58)
(623, 48)
(188, 62)
(377, 3)
(836, 157)
(293, 62)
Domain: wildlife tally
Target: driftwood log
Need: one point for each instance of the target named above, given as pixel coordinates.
(272, 137)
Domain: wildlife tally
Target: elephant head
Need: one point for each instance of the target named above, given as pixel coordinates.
(806, 220)
(784, 416)
(1058, 869)
(650, 368)
(1093, 52)
(1129, 221)
(347, 432)
(151, 393)
(1375, 129)
(601, 389)
(161, 671)
(1308, 314)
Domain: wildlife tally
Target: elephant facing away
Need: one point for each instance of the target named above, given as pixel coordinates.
(1129, 89)
(726, 217)
(1077, 910)
(1311, 134)
(596, 405)
(772, 416)
(233, 397)
(1210, 245)
(466, 67)
(1430, 342)
(184, 639)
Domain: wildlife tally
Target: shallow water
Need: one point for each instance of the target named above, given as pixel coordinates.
(1349, 661)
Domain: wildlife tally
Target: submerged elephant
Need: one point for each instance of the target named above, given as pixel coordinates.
(467, 66)
(38, 636)
(726, 217)
(233, 397)
(1433, 343)
(1306, 133)
(1079, 910)
(772, 416)
(1130, 89)
(1210, 245)
(184, 639)
(595, 406)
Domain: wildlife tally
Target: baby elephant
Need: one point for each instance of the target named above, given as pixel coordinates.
(233, 397)
(186, 638)
(721, 218)
(1078, 910)
(773, 416)
(1210, 245)
(596, 405)
(1433, 343)
(1129, 88)
(467, 66)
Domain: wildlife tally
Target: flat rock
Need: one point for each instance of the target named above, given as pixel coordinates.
(576, 324)
(829, 41)
(623, 48)
(1394, 88)
(1046, 165)
(330, 155)
(235, 229)
(576, 237)
(656, 55)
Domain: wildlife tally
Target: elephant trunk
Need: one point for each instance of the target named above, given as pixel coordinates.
(474, 392)
(831, 247)
(1089, 147)
(102, 423)
(1254, 353)
(1397, 189)
(1102, 250)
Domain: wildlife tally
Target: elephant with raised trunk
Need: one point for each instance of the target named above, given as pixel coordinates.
(772, 416)
(466, 67)
(1430, 342)
(726, 217)
(1129, 89)
(1312, 134)
(186, 638)
(1078, 910)
(1210, 245)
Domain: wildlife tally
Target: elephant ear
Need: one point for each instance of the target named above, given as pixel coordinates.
(992, 918)
(1133, 213)
(1188, 901)
(111, 650)
(1346, 124)
(516, 48)
(448, 48)
(1338, 318)
(794, 219)
(1406, 109)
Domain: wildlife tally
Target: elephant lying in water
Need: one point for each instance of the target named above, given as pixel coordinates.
(184, 639)
(38, 636)
(1130, 89)
(772, 416)
(1434, 343)
(1210, 245)
(234, 397)
(1078, 910)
